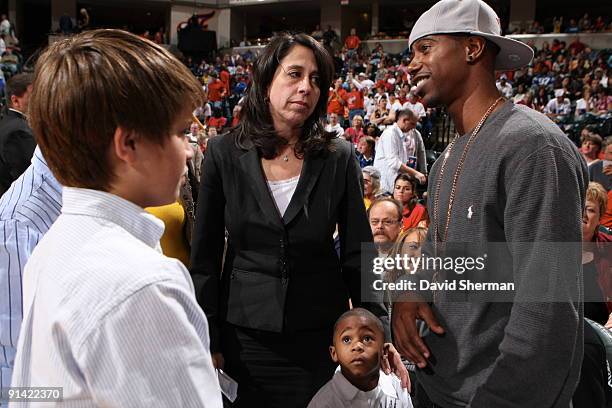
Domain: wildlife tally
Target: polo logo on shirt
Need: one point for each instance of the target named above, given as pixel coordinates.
(470, 212)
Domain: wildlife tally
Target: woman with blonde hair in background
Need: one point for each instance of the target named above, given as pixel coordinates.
(409, 244)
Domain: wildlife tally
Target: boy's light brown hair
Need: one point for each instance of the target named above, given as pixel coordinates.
(87, 86)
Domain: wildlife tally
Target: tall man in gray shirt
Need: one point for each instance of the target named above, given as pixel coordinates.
(509, 177)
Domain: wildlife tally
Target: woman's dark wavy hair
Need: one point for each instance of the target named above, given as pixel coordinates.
(415, 198)
(256, 124)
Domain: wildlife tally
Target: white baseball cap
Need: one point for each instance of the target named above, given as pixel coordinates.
(472, 17)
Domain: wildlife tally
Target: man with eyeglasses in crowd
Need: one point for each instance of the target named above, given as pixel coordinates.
(385, 216)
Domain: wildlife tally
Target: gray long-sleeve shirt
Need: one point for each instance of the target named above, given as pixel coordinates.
(522, 181)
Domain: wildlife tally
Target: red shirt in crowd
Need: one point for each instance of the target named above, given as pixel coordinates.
(333, 104)
(411, 219)
(224, 76)
(577, 45)
(352, 42)
(216, 91)
(354, 135)
(219, 123)
(354, 99)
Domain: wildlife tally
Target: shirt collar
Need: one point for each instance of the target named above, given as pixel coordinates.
(127, 215)
(40, 165)
(349, 392)
(19, 112)
(399, 131)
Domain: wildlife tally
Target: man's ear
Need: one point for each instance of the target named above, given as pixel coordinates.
(332, 352)
(124, 145)
(474, 48)
(15, 102)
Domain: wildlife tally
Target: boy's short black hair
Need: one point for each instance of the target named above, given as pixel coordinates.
(360, 312)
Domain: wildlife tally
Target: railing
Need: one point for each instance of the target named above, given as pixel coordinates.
(442, 132)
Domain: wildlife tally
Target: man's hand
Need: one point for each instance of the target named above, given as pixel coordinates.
(392, 363)
(421, 178)
(407, 340)
(218, 360)
(609, 322)
(608, 170)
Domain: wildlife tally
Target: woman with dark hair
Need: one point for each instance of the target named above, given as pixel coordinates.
(414, 214)
(277, 185)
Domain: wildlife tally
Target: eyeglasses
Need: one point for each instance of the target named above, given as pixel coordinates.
(386, 223)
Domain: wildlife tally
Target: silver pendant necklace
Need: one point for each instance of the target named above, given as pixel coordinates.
(286, 155)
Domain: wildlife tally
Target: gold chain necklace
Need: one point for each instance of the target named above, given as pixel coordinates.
(437, 237)
(451, 199)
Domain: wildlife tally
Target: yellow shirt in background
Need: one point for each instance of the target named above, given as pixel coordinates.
(173, 242)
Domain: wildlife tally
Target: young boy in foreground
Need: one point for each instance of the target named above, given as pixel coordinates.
(359, 382)
(107, 317)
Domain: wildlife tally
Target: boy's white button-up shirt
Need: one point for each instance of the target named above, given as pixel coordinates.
(340, 393)
(108, 317)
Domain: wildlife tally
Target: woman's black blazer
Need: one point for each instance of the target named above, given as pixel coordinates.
(279, 274)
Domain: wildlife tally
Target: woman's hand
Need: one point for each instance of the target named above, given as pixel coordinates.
(392, 363)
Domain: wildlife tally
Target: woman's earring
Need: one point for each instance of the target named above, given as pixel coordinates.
(470, 58)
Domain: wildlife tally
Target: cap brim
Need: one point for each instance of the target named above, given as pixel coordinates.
(512, 55)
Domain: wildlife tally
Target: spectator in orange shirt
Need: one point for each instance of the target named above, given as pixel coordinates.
(354, 100)
(216, 91)
(224, 76)
(336, 101)
(352, 42)
(217, 120)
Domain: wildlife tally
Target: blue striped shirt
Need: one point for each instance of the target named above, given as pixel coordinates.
(27, 210)
(108, 317)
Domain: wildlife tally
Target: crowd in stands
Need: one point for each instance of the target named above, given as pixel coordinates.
(10, 52)
(572, 25)
(568, 82)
